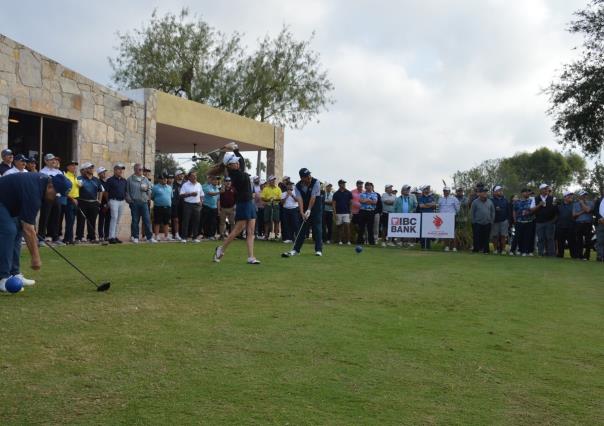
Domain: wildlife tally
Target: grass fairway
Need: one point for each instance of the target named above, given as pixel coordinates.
(385, 337)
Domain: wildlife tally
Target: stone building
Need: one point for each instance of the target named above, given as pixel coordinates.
(46, 107)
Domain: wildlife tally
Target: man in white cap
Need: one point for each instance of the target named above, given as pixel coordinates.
(388, 199)
(448, 204)
(545, 212)
(7, 161)
(91, 191)
(565, 224)
(499, 229)
(116, 194)
(50, 213)
(19, 163)
(583, 214)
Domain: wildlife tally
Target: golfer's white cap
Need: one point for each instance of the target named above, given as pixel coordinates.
(230, 158)
(100, 170)
(86, 165)
(543, 186)
(567, 193)
(497, 188)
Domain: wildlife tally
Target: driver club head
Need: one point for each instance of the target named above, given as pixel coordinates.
(104, 286)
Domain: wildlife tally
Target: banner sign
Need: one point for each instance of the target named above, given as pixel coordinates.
(404, 225)
(438, 225)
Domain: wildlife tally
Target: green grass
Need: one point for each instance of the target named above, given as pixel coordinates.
(386, 337)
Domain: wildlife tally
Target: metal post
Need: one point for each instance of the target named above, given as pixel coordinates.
(259, 158)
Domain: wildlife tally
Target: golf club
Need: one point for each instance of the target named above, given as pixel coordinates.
(286, 254)
(103, 243)
(104, 286)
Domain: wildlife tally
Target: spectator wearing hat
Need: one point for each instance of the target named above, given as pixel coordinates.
(499, 229)
(209, 210)
(257, 187)
(388, 200)
(449, 204)
(71, 208)
(583, 214)
(31, 165)
(271, 196)
(308, 193)
(377, 214)
(227, 207)
(342, 205)
(482, 212)
(356, 204)
(19, 163)
(138, 189)
(116, 196)
(91, 191)
(50, 213)
(7, 161)
(565, 224)
(545, 221)
(599, 214)
(368, 200)
(104, 212)
(291, 214)
(461, 218)
(426, 204)
(161, 194)
(406, 202)
(524, 223)
(177, 204)
(21, 196)
(328, 213)
(192, 194)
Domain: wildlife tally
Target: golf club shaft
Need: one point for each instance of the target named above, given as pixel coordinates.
(68, 261)
(298, 234)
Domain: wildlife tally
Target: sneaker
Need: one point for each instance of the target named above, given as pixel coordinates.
(511, 253)
(290, 253)
(530, 255)
(348, 243)
(41, 244)
(112, 241)
(177, 237)
(3, 285)
(58, 243)
(318, 253)
(391, 244)
(455, 249)
(289, 242)
(196, 240)
(152, 241)
(183, 240)
(218, 253)
(524, 255)
(253, 261)
(134, 240)
(26, 281)
(118, 241)
(340, 243)
(447, 249)
(383, 244)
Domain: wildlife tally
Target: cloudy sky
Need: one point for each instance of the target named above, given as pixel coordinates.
(423, 87)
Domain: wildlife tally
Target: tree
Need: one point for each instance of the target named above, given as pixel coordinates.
(164, 163)
(488, 173)
(577, 96)
(281, 82)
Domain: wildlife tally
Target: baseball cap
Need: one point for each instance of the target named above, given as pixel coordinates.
(170, 176)
(327, 184)
(230, 158)
(227, 179)
(341, 181)
(567, 193)
(7, 152)
(72, 162)
(405, 186)
(31, 160)
(262, 181)
(459, 188)
(446, 188)
(286, 178)
(49, 156)
(271, 177)
(582, 192)
(497, 188)
(360, 181)
(388, 186)
(86, 165)
(303, 172)
(119, 166)
(543, 186)
(20, 157)
(100, 170)
(179, 172)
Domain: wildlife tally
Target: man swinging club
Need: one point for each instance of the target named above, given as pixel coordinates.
(307, 190)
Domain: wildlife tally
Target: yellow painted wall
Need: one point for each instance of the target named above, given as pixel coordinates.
(178, 112)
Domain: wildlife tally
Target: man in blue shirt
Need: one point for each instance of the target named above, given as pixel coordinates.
(342, 202)
(426, 204)
(368, 200)
(88, 203)
(499, 228)
(116, 194)
(161, 194)
(21, 196)
(209, 209)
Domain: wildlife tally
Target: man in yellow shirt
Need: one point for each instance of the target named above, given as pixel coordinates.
(271, 195)
(72, 201)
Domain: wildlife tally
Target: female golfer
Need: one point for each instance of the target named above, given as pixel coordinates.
(245, 210)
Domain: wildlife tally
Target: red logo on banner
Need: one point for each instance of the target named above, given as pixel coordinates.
(437, 221)
(397, 221)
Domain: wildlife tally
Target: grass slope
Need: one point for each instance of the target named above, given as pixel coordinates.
(385, 337)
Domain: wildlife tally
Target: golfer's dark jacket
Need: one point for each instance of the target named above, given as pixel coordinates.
(306, 195)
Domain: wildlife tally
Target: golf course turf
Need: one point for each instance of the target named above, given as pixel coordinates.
(388, 336)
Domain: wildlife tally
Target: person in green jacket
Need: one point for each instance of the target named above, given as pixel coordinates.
(406, 202)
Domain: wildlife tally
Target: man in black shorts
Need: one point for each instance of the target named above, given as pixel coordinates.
(177, 203)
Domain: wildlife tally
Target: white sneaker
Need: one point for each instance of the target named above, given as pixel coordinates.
(26, 281)
(287, 242)
(290, 253)
(2, 285)
(152, 240)
(447, 249)
(348, 243)
(169, 238)
(253, 261)
(134, 240)
(182, 240)
(196, 240)
(391, 244)
(318, 253)
(177, 237)
(524, 254)
(218, 253)
(383, 244)
(454, 249)
(340, 243)
(530, 255)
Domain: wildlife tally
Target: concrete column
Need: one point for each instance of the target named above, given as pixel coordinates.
(274, 157)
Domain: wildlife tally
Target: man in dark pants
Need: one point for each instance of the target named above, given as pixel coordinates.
(583, 214)
(565, 224)
(21, 196)
(426, 204)
(545, 221)
(88, 203)
(482, 213)
(104, 213)
(50, 213)
(308, 194)
(369, 202)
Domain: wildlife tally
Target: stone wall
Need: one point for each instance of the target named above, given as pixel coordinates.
(274, 157)
(106, 132)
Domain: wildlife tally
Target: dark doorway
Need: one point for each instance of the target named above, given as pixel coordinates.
(36, 135)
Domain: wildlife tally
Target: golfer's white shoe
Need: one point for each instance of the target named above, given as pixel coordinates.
(318, 253)
(26, 281)
(218, 253)
(290, 253)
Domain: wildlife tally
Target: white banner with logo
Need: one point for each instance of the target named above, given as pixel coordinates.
(438, 225)
(404, 225)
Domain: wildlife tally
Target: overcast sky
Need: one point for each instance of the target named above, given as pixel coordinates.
(423, 87)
